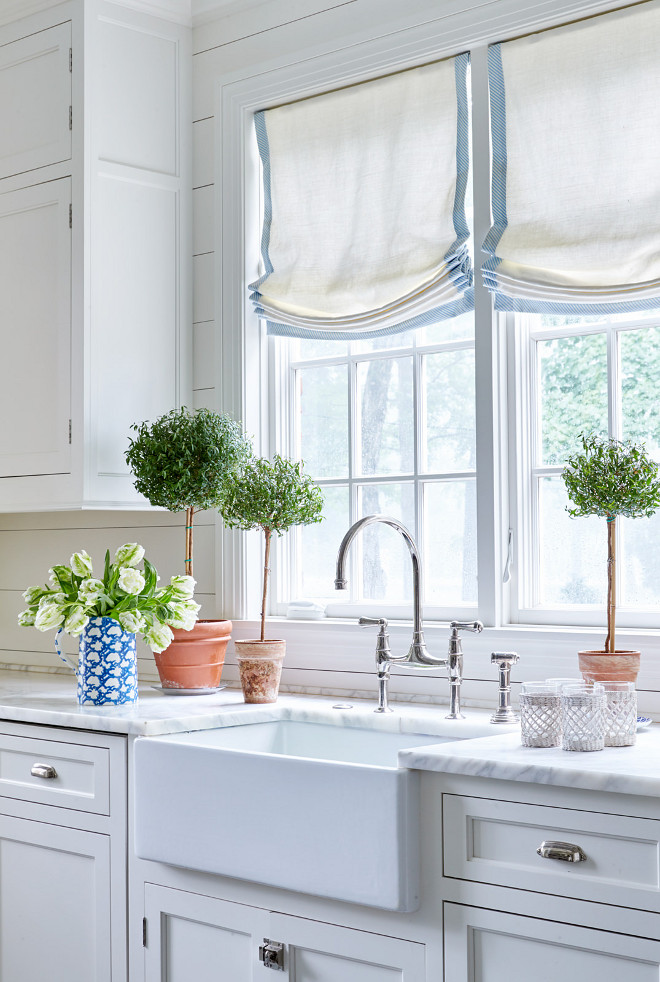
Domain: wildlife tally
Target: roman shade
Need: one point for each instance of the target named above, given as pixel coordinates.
(364, 230)
(575, 118)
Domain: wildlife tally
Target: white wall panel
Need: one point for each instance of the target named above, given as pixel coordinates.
(135, 311)
(136, 123)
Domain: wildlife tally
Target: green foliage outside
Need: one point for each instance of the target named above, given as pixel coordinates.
(610, 478)
(272, 497)
(180, 462)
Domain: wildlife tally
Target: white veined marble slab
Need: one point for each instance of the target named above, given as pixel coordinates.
(623, 770)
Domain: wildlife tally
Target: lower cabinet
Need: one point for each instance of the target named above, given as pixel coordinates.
(54, 903)
(193, 938)
(491, 946)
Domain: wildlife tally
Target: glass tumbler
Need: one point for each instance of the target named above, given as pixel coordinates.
(620, 714)
(540, 718)
(583, 717)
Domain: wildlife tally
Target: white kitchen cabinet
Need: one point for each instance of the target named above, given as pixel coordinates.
(95, 241)
(35, 100)
(491, 946)
(62, 855)
(193, 938)
(54, 903)
(587, 908)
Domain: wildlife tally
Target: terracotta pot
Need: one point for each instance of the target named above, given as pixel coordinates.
(260, 667)
(605, 666)
(195, 658)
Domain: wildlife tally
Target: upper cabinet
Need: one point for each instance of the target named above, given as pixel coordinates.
(95, 218)
(35, 101)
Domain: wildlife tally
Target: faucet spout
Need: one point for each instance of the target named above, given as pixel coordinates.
(418, 654)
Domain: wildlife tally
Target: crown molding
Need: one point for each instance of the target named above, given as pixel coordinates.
(178, 11)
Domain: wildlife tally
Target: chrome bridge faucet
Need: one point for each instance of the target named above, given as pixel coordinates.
(417, 656)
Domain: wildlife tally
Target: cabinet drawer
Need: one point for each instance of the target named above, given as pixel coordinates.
(489, 841)
(72, 776)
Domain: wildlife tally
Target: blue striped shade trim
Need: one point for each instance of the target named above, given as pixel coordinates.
(464, 304)
(525, 305)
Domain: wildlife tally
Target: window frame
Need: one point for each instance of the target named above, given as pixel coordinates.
(526, 469)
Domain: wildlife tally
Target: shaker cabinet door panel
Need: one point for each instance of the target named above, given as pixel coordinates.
(488, 946)
(35, 96)
(54, 903)
(319, 952)
(191, 938)
(35, 311)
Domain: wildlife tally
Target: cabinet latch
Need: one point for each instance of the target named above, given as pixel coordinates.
(271, 953)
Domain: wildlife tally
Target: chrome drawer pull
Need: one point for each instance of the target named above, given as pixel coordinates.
(46, 771)
(564, 851)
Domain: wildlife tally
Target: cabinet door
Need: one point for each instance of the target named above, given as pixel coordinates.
(191, 938)
(35, 311)
(54, 903)
(35, 96)
(317, 952)
(490, 946)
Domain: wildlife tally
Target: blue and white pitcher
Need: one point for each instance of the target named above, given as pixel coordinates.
(107, 664)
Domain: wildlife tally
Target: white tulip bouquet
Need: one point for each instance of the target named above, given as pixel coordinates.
(126, 594)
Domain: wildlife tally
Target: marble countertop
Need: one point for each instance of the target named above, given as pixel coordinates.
(50, 699)
(623, 770)
(472, 746)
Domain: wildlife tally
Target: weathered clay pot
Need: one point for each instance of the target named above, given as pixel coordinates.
(605, 666)
(195, 658)
(260, 667)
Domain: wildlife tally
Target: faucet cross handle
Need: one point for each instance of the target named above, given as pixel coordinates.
(383, 658)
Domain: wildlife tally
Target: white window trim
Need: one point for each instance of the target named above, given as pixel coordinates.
(241, 372)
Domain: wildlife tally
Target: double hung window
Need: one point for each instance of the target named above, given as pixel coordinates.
(391, 423)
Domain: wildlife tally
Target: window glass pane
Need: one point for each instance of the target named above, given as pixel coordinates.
(449, 429)
(319, 543)
(572, 551)
(303, 349)
(386, 568)
(457, 329)
(403, 340)
(545, 321)
(450, 542)
(323, 419)
(639, 561)
(573, 392)
(385, 394)
(640, 387)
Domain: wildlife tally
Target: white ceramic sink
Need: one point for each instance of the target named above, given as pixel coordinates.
(311, 807)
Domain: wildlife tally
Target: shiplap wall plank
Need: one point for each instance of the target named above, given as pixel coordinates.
(203, 215)
(250, 18)
(204, 298)
(204, 354)
(203, 152)
(31, 543)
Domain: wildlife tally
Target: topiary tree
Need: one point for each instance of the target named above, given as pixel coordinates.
(610, 478)
(271, 497)
(180, 462)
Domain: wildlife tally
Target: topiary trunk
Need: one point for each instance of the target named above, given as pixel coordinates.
(611, 584)
(188, 568)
